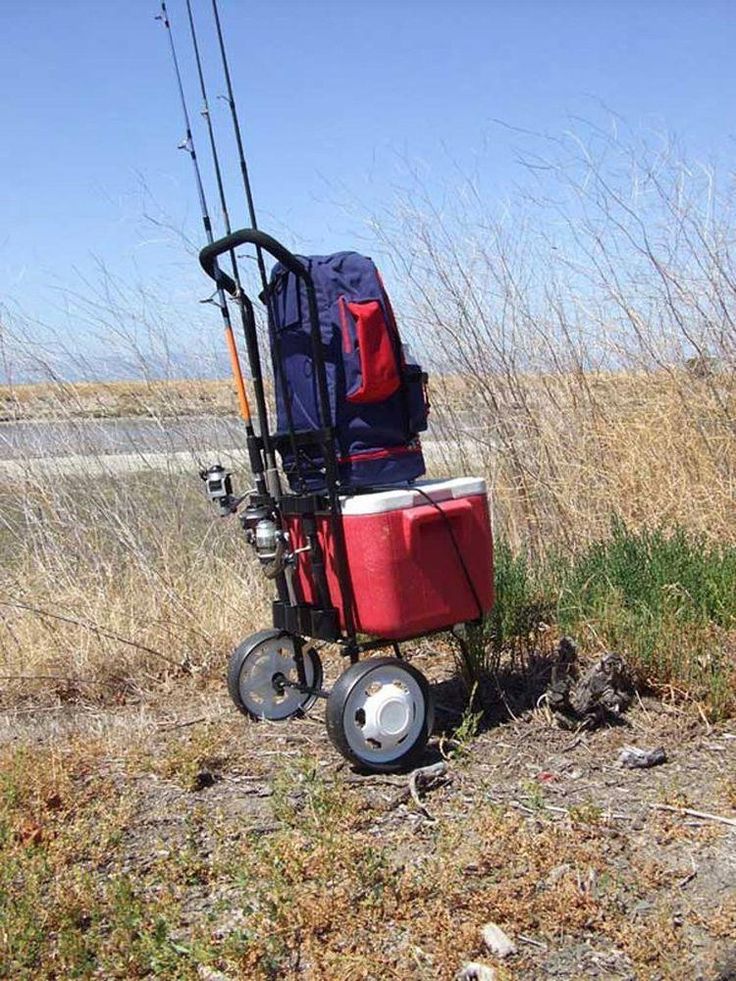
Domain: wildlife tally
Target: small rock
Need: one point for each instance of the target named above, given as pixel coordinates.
(205, 973)
(203, 779)
(497, 942)
(640, 759)
(474, 971)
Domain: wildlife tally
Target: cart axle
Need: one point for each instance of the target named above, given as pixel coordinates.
(280, 683)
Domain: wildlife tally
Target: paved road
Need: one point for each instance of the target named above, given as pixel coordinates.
(53, 438)
(117, 446)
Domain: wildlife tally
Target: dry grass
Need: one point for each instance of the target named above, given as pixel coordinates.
(111, 587)
(113, 584)
(592, 322)
(566, 452)
(157, 399)
(324, 878)
(583, 357)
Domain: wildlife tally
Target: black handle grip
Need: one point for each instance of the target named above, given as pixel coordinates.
(246, 236)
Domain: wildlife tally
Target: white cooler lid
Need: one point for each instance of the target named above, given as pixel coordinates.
(408, 497)
(444, 490)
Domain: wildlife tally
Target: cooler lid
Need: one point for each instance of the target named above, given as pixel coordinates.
(378, 502)
(415, 495)
(444, 490)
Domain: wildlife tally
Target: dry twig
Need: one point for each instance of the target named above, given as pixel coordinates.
(100, 631)
(703, 815)
(426, 776)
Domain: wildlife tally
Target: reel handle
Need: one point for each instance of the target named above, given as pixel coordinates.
(246, 236)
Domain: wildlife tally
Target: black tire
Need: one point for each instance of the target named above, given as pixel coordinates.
(238, 661)
(339, 726)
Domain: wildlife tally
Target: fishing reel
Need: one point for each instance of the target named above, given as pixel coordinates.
(219, 486)
(264, 535)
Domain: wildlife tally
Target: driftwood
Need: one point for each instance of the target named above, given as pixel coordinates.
(597, 696)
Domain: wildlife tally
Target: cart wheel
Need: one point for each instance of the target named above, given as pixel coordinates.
(258, 669)
(380, 714)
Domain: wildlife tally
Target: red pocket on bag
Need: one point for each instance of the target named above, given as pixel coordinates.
(378, 368)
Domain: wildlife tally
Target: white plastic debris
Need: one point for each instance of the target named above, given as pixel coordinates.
(497, 942)
(474, 971)
(640, 759)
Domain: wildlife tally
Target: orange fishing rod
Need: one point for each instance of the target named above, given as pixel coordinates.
(188, 145)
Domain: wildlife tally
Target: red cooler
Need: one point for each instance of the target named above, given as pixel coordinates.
(420, 558)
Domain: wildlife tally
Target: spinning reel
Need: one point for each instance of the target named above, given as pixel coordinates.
(261, 530)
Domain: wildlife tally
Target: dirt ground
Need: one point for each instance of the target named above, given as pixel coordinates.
(535, 828)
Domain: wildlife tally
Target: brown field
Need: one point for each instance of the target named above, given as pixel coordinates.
(115, 399)
(133, 555)
(147, 830)
(176, 840)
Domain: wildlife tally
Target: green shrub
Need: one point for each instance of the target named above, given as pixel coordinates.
(666, 599)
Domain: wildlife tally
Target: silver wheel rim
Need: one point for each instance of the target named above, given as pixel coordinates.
(271, 658)
(384, 714)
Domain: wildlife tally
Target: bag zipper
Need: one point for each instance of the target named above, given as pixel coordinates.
(380, 454)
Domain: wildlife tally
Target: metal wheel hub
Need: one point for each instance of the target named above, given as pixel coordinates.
(264, 679)
(389, 713)
(384, 713)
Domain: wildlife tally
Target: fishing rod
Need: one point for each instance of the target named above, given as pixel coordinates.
(230, 99)
(188, 145)
(213, 144)
(266, 293)
(245, 308)
(268, 483)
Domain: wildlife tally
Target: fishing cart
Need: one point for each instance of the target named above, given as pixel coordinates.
(362, 552)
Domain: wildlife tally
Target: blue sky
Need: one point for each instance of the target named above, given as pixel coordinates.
(334, 97)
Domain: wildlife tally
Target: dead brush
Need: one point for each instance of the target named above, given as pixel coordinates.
(585, 348)
(113, 582)
(584, 362)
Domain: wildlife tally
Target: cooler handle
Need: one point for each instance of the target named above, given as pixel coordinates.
(425, 514)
